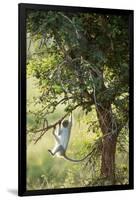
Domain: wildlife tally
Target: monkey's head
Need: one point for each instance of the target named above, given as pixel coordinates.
(65, 123)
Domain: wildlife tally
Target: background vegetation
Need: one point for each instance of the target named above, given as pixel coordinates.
(77, 63)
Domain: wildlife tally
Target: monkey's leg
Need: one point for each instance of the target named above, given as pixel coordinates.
(50, 152)
(56, 138)
(55, 150)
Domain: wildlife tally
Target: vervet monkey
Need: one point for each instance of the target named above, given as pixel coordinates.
(62, 135)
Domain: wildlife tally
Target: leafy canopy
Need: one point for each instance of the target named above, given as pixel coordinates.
(79, 60)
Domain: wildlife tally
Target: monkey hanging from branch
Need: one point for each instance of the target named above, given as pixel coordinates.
(62, 135)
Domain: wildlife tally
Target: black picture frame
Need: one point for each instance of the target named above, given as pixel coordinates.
(22, 191)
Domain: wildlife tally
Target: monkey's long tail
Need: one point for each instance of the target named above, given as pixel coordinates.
(79, 160)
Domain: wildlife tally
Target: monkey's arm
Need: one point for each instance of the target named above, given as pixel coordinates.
(55, 135)
(59, 129)
(70, 120)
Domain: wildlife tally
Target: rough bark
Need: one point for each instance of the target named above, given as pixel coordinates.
(109, 140)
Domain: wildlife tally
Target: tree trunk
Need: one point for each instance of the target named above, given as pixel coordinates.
(109, 140)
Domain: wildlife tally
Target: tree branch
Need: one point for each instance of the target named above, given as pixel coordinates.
(44, 130)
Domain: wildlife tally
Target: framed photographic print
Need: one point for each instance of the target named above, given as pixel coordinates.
(75, 99)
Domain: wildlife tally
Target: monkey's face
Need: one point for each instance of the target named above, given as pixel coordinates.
(65, 123)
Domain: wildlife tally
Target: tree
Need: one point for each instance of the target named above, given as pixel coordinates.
(82, 60)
